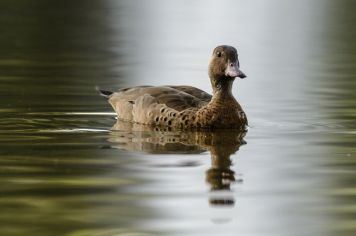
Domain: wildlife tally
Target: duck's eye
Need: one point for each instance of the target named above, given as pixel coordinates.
(218, 54)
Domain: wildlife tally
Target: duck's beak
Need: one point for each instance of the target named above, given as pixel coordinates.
(232, 70)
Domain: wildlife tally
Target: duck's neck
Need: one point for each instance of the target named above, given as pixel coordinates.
(222, 90)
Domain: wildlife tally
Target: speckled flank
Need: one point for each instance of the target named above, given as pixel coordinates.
(185, 107)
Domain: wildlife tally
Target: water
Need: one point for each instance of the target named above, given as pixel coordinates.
(63, 171)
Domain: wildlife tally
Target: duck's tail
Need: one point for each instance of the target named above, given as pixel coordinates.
(104, 93)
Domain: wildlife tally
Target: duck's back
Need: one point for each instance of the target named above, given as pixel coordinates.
(162, 105)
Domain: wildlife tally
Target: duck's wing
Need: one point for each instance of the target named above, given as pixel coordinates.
(195, 92)
(175, 97)
(147, 104)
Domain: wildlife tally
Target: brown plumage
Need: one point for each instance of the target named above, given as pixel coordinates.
(186, 107)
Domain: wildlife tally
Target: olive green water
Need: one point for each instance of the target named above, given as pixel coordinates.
(64, 172)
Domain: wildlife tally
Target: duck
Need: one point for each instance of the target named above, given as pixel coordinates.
(186, 107)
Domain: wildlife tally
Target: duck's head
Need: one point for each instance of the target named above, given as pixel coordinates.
(224, 64)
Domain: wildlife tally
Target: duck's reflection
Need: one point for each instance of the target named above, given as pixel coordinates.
(221, 144)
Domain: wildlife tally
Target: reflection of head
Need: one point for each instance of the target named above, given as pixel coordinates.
(222, 201)
(220, 176)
